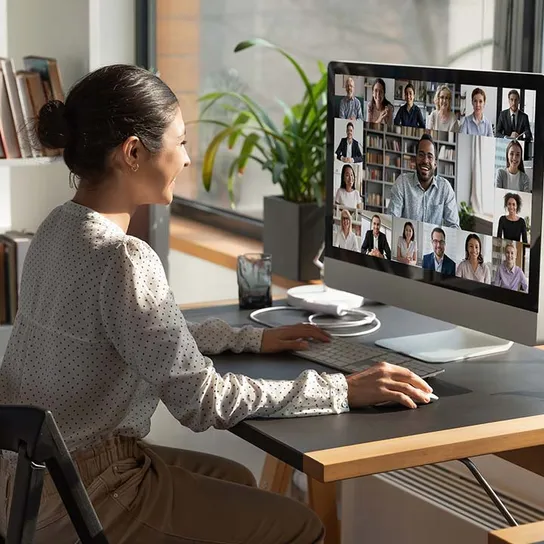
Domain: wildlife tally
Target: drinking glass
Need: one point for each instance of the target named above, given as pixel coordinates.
(254, 275)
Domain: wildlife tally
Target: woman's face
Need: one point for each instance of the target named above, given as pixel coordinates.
(409, 96)
(155, 179)
(478, 104)
(444, 100)
(378, 93)
(510, 255)
(473, 248)
(514, 157)
(512, 206)
(348, 179)
(345, 223)
(408, 232)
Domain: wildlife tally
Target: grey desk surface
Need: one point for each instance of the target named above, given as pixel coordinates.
(479, 391)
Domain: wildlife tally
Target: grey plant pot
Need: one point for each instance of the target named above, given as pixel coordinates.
(293, 234)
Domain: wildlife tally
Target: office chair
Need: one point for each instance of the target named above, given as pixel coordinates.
(33, 434)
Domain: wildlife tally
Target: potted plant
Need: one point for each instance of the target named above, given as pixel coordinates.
(293, 152)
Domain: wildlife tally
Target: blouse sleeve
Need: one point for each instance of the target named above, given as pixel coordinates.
(142, 320)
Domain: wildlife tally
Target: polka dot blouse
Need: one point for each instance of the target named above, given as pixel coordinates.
(98, 339)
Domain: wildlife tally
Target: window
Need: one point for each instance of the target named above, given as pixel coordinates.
(195, 42)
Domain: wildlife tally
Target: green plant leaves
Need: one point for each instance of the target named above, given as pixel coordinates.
(294, 153)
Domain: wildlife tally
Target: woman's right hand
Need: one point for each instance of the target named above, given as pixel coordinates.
(385, 382)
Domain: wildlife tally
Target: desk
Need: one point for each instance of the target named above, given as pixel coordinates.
(488, 405)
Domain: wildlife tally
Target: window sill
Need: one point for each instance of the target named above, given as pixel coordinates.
(216, 245)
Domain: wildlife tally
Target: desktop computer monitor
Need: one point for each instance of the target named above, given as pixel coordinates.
(434, 196)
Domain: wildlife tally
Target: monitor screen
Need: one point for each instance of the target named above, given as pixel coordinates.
(432, 175)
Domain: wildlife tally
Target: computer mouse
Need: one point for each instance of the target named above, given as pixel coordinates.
(432, 398)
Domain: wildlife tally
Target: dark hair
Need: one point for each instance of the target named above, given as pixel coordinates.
(426, 138)
(516, 197)
(409, 86)
(440, 231)
(513, 91)
(385, 101)
(508, 147)
(101, 111)
(476, 91)
(477, 238)
(377, 217)
(342, 181)
(408, 224)
(350, 124)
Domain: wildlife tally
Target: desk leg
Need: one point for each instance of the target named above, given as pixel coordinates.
(322, 498)
(276, 475)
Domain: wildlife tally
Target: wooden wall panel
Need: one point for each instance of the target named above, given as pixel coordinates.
(178, 59)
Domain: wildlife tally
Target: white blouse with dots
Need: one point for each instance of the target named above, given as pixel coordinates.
(98, 339)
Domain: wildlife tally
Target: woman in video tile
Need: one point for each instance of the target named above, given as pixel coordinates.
(346, 194)
(512, 226)
(443, 118)
(513, 177)
(473, 266)
(379, 109)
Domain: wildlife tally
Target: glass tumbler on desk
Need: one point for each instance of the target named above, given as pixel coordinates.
(254, 280)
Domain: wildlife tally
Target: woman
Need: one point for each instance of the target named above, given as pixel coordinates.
(345, 238)
(409, 114)
(346, 194)
(406, 245)
(379, 109)
(473, 267)
(99, 339)
(512, 226)
(513, 177)
(509, 275)
(443, 118)
(477, 123)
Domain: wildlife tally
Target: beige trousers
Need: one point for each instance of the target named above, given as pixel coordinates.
(146, 494)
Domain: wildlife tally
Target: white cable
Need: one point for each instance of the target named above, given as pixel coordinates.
(368, 319)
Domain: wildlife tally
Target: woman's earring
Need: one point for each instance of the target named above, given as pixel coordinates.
(135, 167)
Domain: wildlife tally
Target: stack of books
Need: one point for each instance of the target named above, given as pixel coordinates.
(13, 248)
(22, 94)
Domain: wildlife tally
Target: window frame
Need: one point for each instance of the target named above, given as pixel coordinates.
(513, 24)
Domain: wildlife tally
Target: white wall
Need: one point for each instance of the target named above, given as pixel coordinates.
(112, 32)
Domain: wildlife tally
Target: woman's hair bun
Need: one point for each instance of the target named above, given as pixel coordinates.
(53, 131)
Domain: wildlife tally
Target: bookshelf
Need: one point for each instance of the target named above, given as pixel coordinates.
(79, 35)
(391, 151)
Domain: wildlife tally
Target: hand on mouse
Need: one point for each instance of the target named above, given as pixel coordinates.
(385, 382)
(291, 337)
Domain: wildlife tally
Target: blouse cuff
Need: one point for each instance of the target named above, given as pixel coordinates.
(254, 339)
(339, 393)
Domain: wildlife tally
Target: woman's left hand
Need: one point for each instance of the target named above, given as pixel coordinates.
(291, 337)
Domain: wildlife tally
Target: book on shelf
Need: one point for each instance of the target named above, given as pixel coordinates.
(21, 129)
(49, 71)
(22, 95)
(13, 249)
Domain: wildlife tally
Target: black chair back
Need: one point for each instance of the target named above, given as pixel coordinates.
(33, 434)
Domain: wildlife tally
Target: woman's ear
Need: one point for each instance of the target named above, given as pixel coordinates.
(131, 152)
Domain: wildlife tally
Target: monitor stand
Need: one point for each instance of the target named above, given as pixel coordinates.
(447, 346)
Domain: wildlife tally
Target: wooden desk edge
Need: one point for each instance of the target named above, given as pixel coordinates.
(409, 451)
(531, 533)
